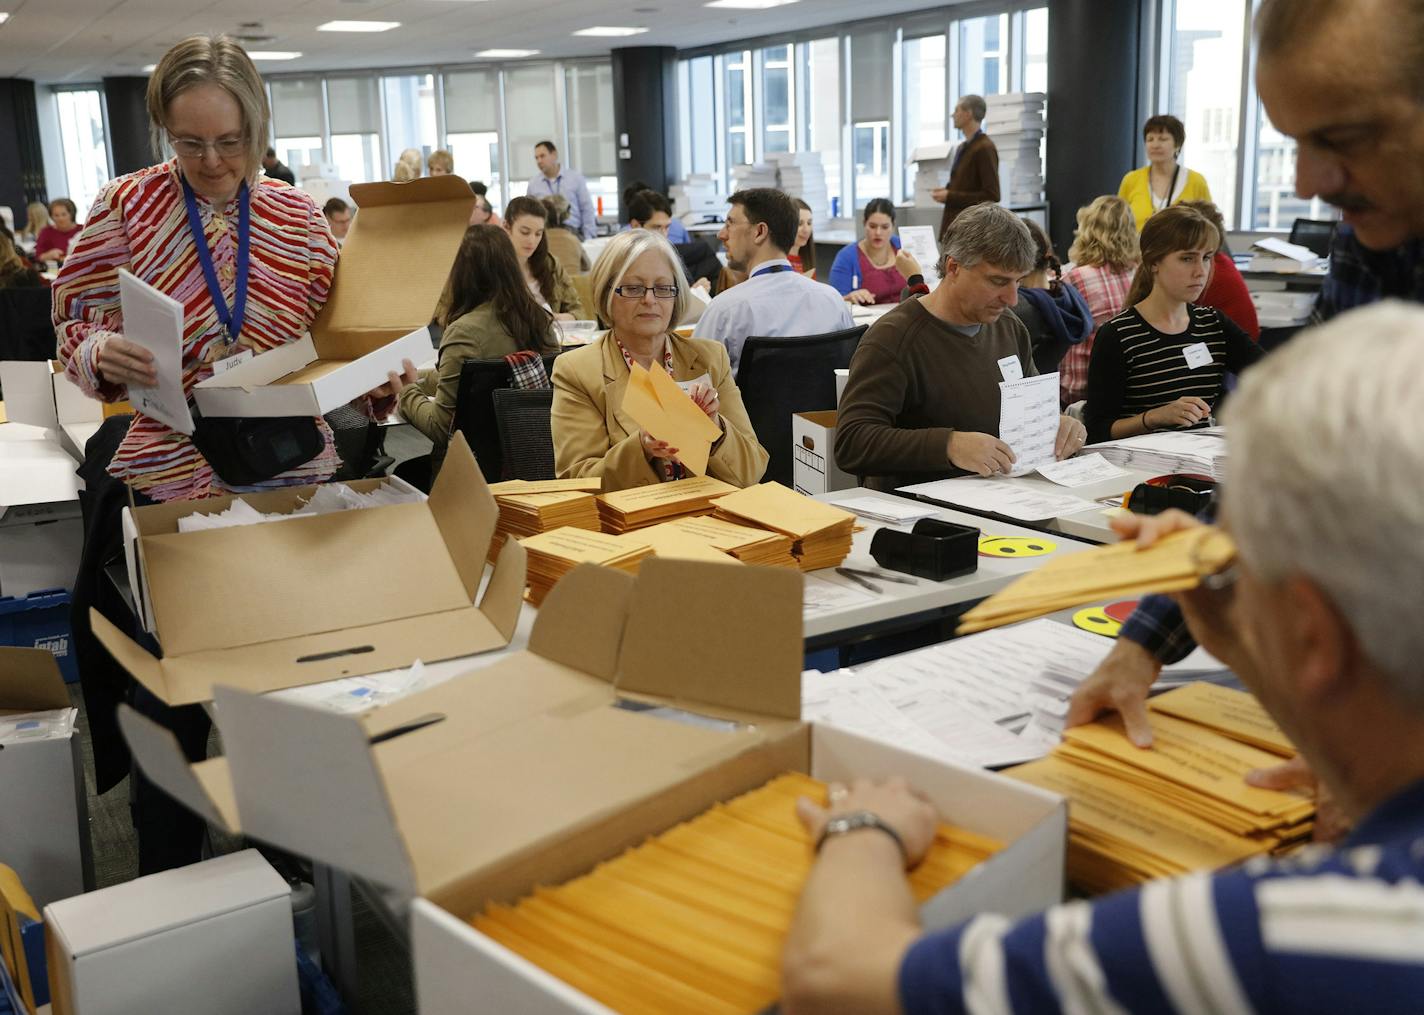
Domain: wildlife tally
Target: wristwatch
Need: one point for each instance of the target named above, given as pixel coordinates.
(853, 822)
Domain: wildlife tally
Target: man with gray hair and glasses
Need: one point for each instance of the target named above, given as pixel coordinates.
(922, 402)
(1318, 615)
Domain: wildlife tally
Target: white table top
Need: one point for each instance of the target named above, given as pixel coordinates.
(1091, 524)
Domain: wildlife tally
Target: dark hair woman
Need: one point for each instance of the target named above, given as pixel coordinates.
(526, 219)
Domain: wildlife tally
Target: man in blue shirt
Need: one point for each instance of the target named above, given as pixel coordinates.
(775, 300)
(556, 179)
(1364, 156)
(1318, 615)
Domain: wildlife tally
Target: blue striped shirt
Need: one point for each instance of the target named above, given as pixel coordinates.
(1322, 931)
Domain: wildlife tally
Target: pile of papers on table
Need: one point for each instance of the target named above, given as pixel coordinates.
(1275, 254)
(822, 533)
(1174, 563)
(802, 174)
(1015, 124)
(641, 506)
(1200, 452)
(554, 554)
(695, 919)
(527, 508)
(751, 546)
(1181, 806)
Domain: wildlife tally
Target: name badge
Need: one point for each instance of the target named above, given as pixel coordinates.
(1197, 356)
(705, 380)
(1011, 369)
(225, 364)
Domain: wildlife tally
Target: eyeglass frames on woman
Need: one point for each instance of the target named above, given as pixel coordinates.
(193, 148)
(637, 292)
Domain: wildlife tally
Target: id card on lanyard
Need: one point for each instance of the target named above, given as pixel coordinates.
(230, 318)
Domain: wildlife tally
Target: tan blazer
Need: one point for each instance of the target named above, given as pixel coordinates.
(594, 437)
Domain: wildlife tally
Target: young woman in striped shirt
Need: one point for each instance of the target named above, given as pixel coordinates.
(1162, 363)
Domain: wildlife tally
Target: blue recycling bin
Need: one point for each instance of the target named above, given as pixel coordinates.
(40, 620)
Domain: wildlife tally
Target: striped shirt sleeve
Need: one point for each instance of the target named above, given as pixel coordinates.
(86, 294)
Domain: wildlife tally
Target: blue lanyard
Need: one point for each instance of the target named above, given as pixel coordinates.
(770, 269)
(231, 319)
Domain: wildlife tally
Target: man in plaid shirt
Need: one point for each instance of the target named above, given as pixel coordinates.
(1364, 157)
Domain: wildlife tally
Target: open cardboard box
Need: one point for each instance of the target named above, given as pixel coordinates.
(388, 280)
(37, 457)
(532, 770)
(274, 605)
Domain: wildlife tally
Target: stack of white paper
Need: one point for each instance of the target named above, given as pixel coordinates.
(757, 174)
(803, 175)
(1275, 254)
(1197, 452)
(1281, 309)
(327, 499)
(1015, 122)
(697, 195)
(1000, 496)
(932, 164)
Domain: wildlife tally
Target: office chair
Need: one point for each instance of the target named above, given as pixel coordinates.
(474, 410)
(26, 327)
(1314, 234)
(779, 377)
(526, 436)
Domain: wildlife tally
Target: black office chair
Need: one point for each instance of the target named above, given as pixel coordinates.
(779, 377)
(360, 444)
(526, 434)
(26, 328)
(1314, 234)
(474, 410)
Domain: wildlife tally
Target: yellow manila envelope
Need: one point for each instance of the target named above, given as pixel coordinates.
(665, 411)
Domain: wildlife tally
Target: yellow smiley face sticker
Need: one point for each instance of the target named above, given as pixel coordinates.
(1015, 546)
(1097, 620)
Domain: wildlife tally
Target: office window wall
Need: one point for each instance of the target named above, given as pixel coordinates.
(472, 128)
(299, 107)
(410, 115)
(778, 100)
(870, 104)
(738, 91)
(532, 108)
(354, 107)
(924, 68)
(821, 114)
(589, 101)
(983, 63)
(84, 136)
(697, 113)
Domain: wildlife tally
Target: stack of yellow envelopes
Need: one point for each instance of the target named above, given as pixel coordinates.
(1174, 563)
(529, 508)
(760, 547)
(626, 510)
(694, 919)
(554, 554)
(822, 533)
(1182, 805)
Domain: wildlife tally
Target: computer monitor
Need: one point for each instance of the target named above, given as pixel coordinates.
(1314, 234)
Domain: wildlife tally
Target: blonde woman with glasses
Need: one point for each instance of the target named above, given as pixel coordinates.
(639, 290)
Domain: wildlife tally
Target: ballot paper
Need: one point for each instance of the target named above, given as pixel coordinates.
(354, 695)
(1084, 470)
(882, 509)
(1028, 420)
(154, 320)
(662, 409)
(964, 700)
(328, 498)
(825, 596)
(1000, 496)
(919, 242)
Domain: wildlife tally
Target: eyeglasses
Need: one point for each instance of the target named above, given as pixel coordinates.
(637, 292)
(193, 148)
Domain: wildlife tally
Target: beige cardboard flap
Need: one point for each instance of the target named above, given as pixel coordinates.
(504, 595)
(140, 665)
(223, 588)
(580, 623)
(30, 681)
(157, 752)
(750, 654)
(394, 262)
(465, 512)
(305, 778)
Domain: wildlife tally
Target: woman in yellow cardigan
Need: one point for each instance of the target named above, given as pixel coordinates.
(1164, 181)
(639, 290)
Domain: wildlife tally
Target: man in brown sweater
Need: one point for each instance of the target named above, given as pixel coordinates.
(922, 401)
(974, 172)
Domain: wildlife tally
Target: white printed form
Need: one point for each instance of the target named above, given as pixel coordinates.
(1001, 496)
(1084, 470)
(1028, 420)
(154, 320)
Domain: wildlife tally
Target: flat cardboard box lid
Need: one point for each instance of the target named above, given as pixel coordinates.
(394, 263)
(452, 781)
(314, 598)
(30, 681)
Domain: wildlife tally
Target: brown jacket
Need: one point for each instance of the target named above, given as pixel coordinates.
(594, 437)
(974, 180)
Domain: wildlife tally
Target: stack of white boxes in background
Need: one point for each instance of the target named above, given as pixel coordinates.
(802, 175)
(932, 163)
(758, 174)
(1015, 124)
(697, 196)
(1277, 308)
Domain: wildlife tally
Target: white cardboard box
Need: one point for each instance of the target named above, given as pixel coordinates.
(388, 281)
(213, 938)
(44, 816)
(813, 443)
